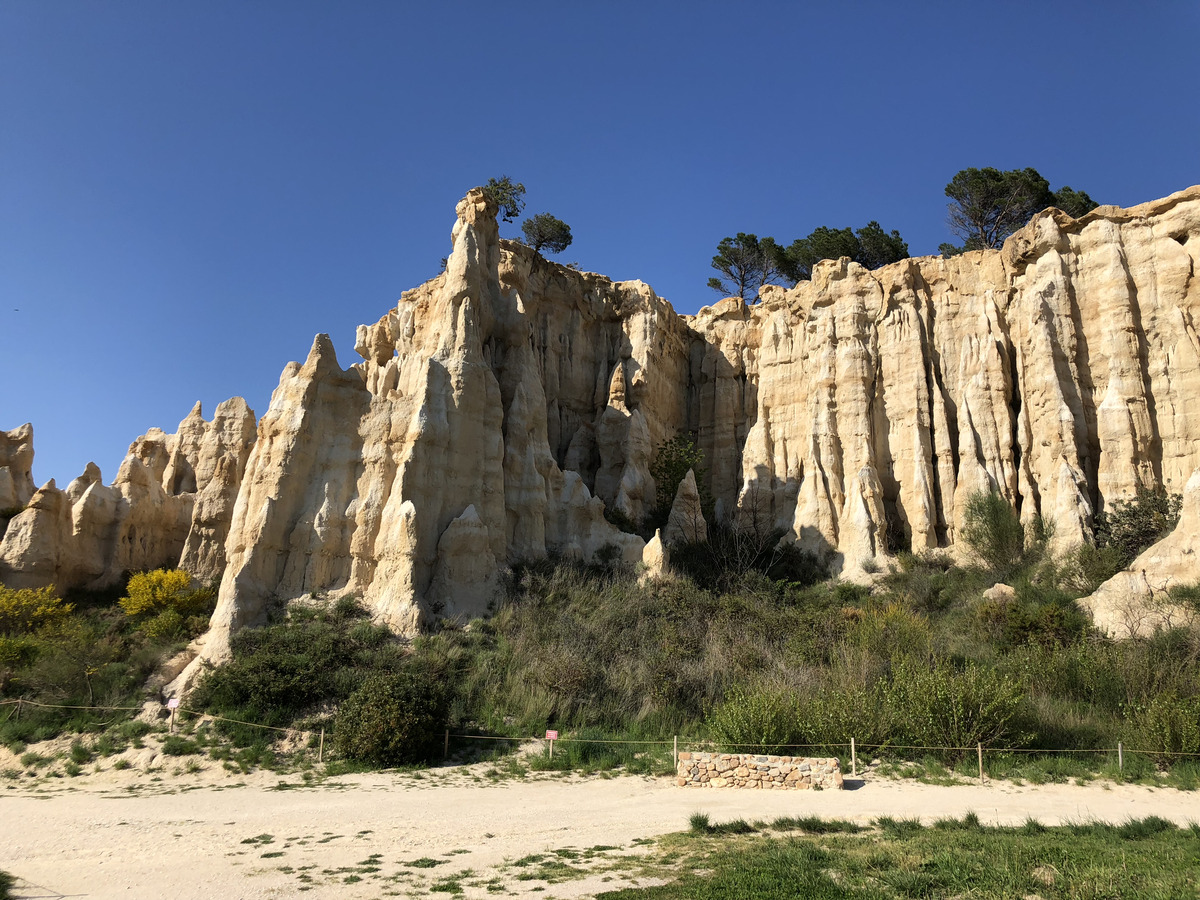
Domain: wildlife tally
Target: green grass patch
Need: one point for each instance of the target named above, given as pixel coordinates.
(1145, 858)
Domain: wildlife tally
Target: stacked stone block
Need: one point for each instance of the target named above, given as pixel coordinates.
(765, 772)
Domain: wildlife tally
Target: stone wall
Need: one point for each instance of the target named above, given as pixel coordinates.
(750, 770)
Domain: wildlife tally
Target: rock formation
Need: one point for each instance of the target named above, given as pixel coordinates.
(685, 524)
(16, 466)
(510, 407)
(1136, 602)
(171, 498)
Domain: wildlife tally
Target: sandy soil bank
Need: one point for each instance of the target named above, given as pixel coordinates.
(209, 834)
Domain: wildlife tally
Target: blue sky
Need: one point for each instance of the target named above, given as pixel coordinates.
(190, 191)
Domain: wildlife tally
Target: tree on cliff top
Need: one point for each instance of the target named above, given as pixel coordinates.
(746, 263)
(545, 231)
(987, 205)
(869, 246)
(506, 194)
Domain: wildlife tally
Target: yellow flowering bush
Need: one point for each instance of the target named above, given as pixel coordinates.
(151, 593)
(25, 611)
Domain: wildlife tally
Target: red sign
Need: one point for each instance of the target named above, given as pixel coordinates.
(173, 703)
(552, 735)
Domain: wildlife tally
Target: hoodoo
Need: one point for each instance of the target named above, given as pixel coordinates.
(501, 408)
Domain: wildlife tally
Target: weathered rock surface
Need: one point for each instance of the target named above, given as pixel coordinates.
(167, 496)
(16, 467)
(685, 524)
(1136, 602)
(504, 408)
(413, 477)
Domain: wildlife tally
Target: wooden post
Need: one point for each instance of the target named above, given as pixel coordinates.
(321, 746)
(172, 720)
(1120, 756)
(853, 759)
(552, 748)
(979, 747)
(675, 752)
(17, 718)
(446, 746)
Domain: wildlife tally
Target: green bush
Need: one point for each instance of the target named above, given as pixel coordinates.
(283, 671)
(764, 718)
(936, 705)
(393, 720)
(1130, 526)
(733, 551)
(1166, 725)
(673, 459)
(1002, 543)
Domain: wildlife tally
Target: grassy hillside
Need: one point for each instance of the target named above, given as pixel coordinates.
(732, 653)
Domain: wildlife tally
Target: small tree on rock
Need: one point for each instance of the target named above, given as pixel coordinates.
(544, 231)
(987, 205)
(746, 264)
(869, 246)
(506, 194)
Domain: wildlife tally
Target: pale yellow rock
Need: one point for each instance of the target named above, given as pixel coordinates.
(1136, 602)
(1000, 593)
(656, 559)
(509, 407)
(16, 467)
(147, 518)
(686, 524)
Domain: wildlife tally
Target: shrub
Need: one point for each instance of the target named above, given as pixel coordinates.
(25, 611)
(150, 593)
(1166, 725)
(938, 706)
(762, 718)
(283, 671)
(393, 720)
(1130, 526)
(672, 461)
(833, 716)
(994, 532)
(734, 550)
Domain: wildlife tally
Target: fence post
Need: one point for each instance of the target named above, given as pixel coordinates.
(853, 759)
(17, 718)
(1120, 756)
(321, 746)
(979, 747)
(675, 752)
(446, 746)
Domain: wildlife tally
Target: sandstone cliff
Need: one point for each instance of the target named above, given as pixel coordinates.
(172, 498)
(502, 407)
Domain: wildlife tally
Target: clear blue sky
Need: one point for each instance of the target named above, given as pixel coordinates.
(190, 191)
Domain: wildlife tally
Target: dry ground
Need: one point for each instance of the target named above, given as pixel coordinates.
(206, 834)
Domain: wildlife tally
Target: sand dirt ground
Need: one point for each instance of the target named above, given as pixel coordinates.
(210, 834)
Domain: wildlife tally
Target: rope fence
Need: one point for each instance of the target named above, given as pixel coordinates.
(675, 743)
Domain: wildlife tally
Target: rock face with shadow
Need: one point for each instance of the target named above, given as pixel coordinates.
(170, 502)
(511, 408)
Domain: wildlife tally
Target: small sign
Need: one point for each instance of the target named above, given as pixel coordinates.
(552, 735)
(173, 703)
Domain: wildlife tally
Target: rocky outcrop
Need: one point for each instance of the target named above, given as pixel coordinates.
(685, 524)
(510, 408)
(1061, 372)
(492, 406)
(1137, 602)
(16, 467)
(168, 506)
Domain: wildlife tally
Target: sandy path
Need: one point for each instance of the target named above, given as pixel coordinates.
(92, 837)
